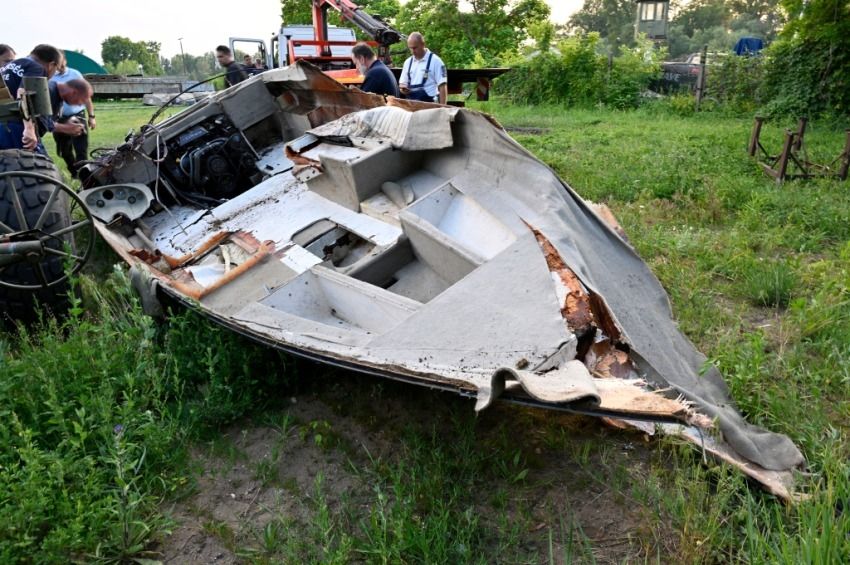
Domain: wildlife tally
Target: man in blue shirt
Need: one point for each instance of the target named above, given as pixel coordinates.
(379, 78)
(72, 148)
(41, 62)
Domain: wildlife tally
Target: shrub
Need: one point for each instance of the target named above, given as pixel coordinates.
(737, 82)
(809, 68)
(578, 75)
(630, 75)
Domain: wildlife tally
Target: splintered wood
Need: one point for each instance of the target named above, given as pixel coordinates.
(606, 352)
(575, 303)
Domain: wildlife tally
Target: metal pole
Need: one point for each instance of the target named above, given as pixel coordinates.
(845, 162)
(801, 131)
(182, 55)
(701, 77)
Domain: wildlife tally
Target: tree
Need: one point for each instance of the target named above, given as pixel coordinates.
(116, 50)
(612, 19)
(489, 31)
(483, 31)
(295, 12)
(720, 23)
(198, 67)
(809, 66)
(702, 15)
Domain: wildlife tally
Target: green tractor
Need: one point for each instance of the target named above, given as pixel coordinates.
(46, 231)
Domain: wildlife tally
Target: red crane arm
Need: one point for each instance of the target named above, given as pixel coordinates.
(379, 31)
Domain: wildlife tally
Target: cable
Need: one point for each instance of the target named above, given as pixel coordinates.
(171, 101)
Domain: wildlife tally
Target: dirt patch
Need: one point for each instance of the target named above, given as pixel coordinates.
(561, 484)
(257, 473)
(526, 130)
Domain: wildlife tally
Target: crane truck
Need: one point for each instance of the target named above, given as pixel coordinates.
(329, 47)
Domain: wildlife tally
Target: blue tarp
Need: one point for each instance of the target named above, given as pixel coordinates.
(749, 46)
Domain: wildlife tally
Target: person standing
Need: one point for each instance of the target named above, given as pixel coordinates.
(41, 62)
(73, 148)
(379, 78)
(423, 76)
(236, 73)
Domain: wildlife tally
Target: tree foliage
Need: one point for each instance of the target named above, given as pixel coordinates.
(483, 32)
(300, 12)
(117, 51)
(578, 73)
(720, 23)
(196, 67)
(809, 66)
(612, 19)
(461, 32)
(701, 15)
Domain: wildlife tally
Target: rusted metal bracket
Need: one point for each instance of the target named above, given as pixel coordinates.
(777, 166)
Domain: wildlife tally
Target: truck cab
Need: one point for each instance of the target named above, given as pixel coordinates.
(294, 42)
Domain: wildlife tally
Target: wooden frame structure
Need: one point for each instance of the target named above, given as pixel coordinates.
(777, 166)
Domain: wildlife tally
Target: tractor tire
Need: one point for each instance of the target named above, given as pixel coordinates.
(24, 305)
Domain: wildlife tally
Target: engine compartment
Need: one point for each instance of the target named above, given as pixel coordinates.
(213, 159)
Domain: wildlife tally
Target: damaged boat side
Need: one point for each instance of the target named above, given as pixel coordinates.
(418, 242)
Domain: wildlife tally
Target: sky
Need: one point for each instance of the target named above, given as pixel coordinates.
(202, 25)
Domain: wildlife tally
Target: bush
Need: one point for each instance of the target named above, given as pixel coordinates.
(630, 75)
(737, 82)
(809, 69)
(578, 75)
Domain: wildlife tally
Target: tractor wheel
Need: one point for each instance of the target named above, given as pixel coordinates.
(41, 220)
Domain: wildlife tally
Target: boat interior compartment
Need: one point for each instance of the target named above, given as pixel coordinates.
(329, 298)
(333, 243)
(464, 222)
(348, 178)
(400, 270)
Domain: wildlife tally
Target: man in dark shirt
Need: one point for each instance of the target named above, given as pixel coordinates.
(41, 62)
(379, 78)
(236, 73)
(7, 54)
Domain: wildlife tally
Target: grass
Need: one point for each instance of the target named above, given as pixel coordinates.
(114, 121)
(103, 408)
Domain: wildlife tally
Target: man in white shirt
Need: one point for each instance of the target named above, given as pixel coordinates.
(423, 76)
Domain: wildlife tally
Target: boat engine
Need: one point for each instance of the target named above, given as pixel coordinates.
(213, 159)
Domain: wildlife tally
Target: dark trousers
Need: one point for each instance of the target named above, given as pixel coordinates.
(72, 149)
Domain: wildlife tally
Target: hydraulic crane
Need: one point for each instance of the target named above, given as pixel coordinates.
(315, 44)
(374, 27)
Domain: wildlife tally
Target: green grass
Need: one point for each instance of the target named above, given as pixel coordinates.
(114, 121)
(101, 409)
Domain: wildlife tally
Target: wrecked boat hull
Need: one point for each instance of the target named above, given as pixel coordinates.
(414, 242)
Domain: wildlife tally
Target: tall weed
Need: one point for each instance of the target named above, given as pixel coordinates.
(98, 410)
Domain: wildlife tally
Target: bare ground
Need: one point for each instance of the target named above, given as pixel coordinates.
(574, 499)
